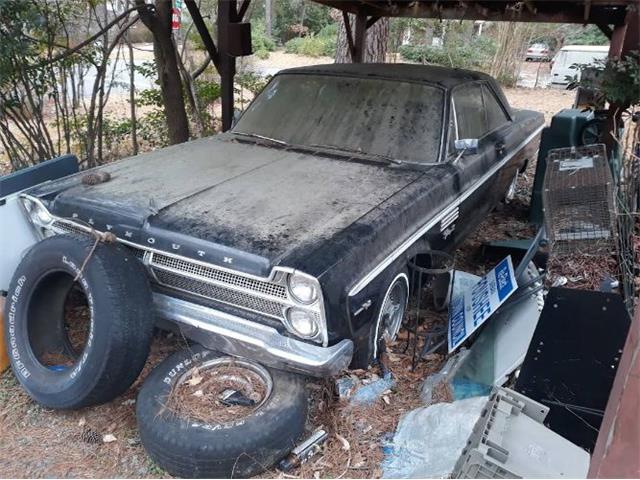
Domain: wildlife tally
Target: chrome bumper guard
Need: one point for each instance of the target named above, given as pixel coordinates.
(236, 336)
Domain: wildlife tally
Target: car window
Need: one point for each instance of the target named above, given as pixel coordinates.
(496, 116)
(470, 111)
(561, 58)
(375, 116)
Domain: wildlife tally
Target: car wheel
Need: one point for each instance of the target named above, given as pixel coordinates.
(78, 326)
(387, 320)
(202, 414)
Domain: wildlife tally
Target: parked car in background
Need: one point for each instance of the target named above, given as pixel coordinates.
(564, 65)
(538, 52)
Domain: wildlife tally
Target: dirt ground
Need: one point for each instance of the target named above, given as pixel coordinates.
(37, 442)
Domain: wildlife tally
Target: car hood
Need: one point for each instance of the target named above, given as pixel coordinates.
(229, 202)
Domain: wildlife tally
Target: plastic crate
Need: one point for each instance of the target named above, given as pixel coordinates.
(510, 441)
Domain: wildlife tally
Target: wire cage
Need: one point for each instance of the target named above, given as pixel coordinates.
(578, 199)
(628, 202)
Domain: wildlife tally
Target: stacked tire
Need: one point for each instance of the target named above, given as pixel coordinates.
(120, 328)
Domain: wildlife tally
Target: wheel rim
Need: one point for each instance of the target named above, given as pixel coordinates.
(206, 399)
(392, 310)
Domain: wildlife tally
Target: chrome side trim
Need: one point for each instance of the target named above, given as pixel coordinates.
(449, 219)
(404, 246)
(237, 336)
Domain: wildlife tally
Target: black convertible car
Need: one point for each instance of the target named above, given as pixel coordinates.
(286, 239)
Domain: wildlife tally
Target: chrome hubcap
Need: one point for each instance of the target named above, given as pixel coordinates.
(393, 308)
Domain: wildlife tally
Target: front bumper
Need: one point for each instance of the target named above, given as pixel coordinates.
(236, 336)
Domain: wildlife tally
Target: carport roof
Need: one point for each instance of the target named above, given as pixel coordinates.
(600, 12)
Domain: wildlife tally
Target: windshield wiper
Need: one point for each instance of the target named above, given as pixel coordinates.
(347, 150)
(262, 137)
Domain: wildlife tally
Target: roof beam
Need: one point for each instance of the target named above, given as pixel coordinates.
(551, 11)
(198, 21)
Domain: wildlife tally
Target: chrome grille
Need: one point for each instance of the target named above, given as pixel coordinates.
(64, 227)
(219, 293)
(221, 276)
(263, 297)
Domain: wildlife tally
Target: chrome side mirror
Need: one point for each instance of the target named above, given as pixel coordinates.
(467, 146)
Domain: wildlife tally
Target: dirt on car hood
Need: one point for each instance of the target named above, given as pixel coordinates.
(235, 195)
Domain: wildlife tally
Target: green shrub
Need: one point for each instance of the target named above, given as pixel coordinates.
(260, 42)
(321, 44)
(475, 54)
(312, 46)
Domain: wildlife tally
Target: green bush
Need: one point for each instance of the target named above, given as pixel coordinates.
(312, 46)
(260, 42)
(475, 54)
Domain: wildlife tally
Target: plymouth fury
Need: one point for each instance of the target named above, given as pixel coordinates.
(284, 241)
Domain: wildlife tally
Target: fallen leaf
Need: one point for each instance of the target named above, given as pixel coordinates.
(198, 393)
(108, 438)
(345, 443)
(82, 422)
(195, 380)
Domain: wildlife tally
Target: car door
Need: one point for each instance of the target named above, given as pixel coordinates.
(505, 135)
(491, 128)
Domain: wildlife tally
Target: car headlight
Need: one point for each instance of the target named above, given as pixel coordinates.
(38, 214)
(303, 322)
(303, 289)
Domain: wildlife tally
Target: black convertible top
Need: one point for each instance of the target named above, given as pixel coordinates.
(443, 76)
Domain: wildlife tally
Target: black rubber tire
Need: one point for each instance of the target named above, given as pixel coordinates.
(115, 285)
(364, 341)
(191, 449)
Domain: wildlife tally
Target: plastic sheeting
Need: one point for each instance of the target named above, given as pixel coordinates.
(429, 440)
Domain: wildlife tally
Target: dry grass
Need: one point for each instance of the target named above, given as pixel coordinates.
(199, 396)
(37, 442)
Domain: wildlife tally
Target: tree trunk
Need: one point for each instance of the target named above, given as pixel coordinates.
(376, 45)
(132, 98)
(512, 40)
(268, 22)
(159, 23)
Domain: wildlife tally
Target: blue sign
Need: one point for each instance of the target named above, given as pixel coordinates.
(473, 306)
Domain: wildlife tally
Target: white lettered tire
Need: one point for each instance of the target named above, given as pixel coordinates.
(120, 327)
(192, 448)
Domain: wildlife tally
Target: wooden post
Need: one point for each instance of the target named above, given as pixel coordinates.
(360, 40)
(4, 357)
(624, 39)
(227, 13)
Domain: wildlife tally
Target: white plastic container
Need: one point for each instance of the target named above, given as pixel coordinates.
(16, 237)
(510, 441)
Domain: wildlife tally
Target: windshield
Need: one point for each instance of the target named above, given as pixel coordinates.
(400, 120)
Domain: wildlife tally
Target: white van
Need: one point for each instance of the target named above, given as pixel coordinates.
(574, 54)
